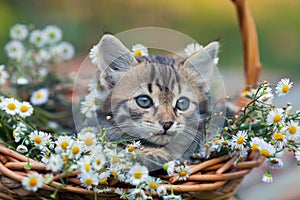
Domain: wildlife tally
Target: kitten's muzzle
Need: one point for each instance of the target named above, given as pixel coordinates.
(166, 124)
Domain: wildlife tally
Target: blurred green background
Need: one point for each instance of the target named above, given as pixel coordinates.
(83, 22)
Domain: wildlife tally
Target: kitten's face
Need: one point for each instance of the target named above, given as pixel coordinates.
(159, 100)
(158, 103)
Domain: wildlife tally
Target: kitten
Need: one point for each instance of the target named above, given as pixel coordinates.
(158, 100)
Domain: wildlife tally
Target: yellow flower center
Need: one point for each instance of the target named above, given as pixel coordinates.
(87, 166)
(276, 118)
(240, 140)
(255, 147)
(11, 106)
(89, 181)
(115, 159)
(114, 174)
(64, 145)
(246, 92)
(278, 136)
(285, 88)
(216, 142)
(138, 195)
(32, 181)
(182, 173)
(152, 185)
(37, 139)
(75, 150)
(264, 152)
(47, 154)
(103, 181)
(138, 174)
(98, 161)
(88, 142)
(38, 95)
(292, 129)
(225, 143)
(24, 108)
(131, 148)
(66, 158)
(138, 53)
(14, 133)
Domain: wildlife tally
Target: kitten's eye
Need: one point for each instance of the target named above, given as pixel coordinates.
(144, 101)
(182, 103)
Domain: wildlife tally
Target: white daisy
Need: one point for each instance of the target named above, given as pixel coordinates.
(137, 194)
(267, 178)
(266, 149)
(3, 75)
(10, 106)
(116, 172)
(55, 163)
(52, 125)
(98, 157)
(85, 164)
(38, 138)
(14, 49)
(44, 55)
(161, 190)
(93, 85)
(280, 139)
(22, 149)
(48, 178)
(53, 34)
(94, 54)
(172, 197)
(139, 50)
(170, 167)
(192, 48)
(63, 143)
(275, 163)
(33, 181)
(89, 139)
(275, 116)
(76, 149)
(283, 86)
(88, 180)
(45, 155)
(19, 32)
(40, 96)
(293, 130)
(21, 80)
(103, 177)
(265, 96)
(19, 131)
(25, 109)
(183, 172)
(239, 140)
(138, 174)
(89, 106)
(38, 38)
(130, 148)
(62, 51)
(152, 184)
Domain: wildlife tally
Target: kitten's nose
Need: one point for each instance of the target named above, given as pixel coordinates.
(166, 124)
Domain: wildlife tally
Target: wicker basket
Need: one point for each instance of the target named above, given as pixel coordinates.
(216, 178)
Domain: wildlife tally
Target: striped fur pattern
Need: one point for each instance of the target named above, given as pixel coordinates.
(158, 100)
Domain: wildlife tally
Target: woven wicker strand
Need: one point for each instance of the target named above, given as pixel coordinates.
(214, 179)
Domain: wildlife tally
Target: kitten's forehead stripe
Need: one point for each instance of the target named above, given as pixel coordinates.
(150, 87)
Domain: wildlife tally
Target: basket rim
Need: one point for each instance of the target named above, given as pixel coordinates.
(221, 170)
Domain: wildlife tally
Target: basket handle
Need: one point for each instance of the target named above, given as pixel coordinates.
(252, 65)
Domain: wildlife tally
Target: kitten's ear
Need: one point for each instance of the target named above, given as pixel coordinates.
(203, 61)
(114, 58)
